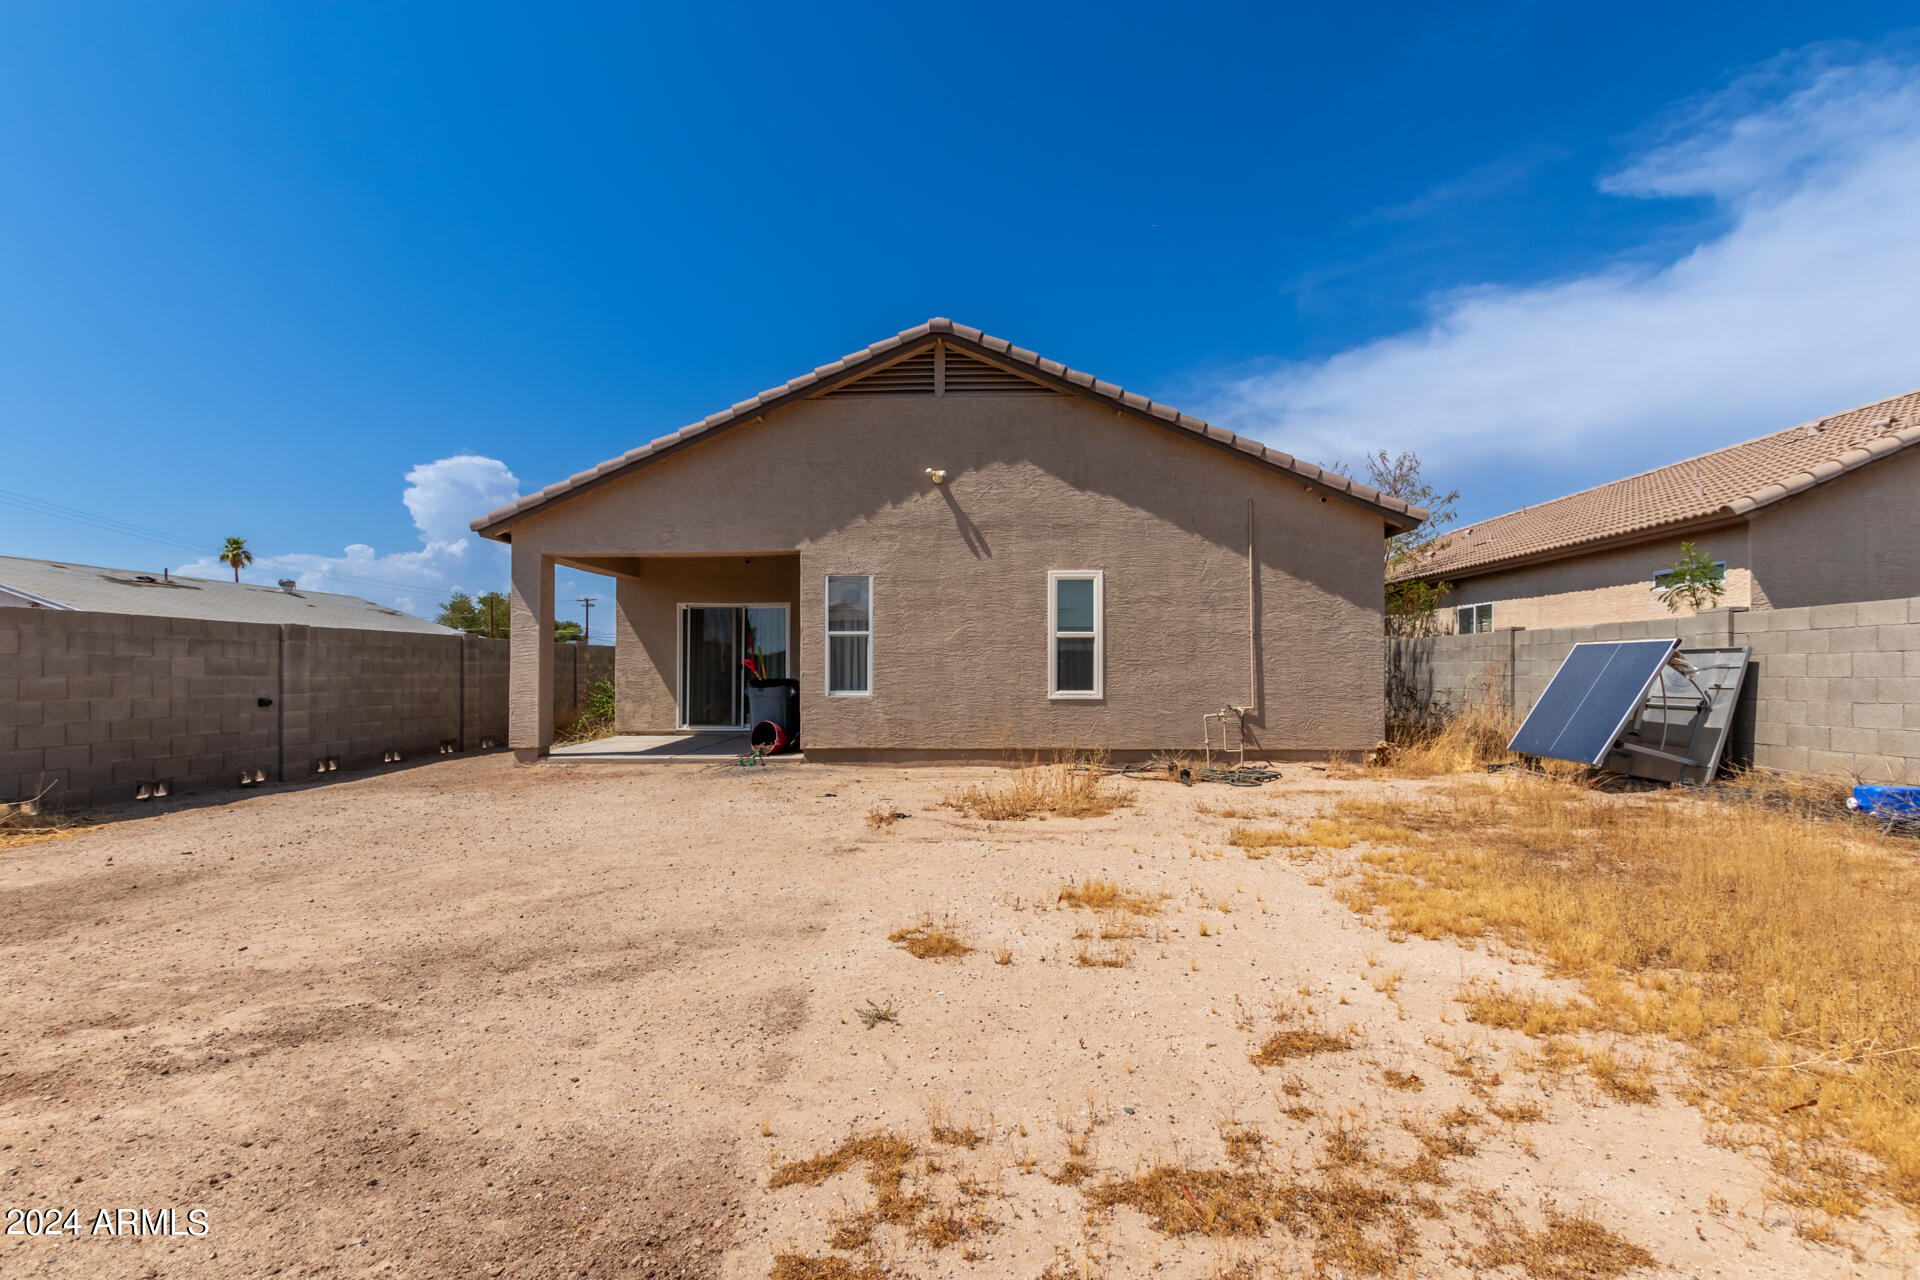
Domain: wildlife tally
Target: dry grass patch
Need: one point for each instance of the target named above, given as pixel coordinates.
(1072, 1174)
(1780, 947)
(1101, 957)
(1241, 812)
(1567, 1247)
(879, 819)
(1296, 1042)
(1094, 894)
(1802, 795)
(21, 837)
(947, 1133)
(25, 823)
(1321, 833)
(1492, 1005)
(884, 1154)
(1244, 1142)
(1064, 788)
(1183, 1201)
(1623, 1078)
(930, 940)
(1405, 1081)
(949, 1227)
(1516, 1113)
(1467, 741)
(800, 1266)
(1358, 1211)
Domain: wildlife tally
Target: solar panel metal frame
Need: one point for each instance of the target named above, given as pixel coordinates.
(1631, 708)
(1720, 673)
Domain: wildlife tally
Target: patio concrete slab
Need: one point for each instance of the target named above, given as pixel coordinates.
(661, 747)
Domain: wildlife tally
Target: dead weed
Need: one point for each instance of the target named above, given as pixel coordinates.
(1066, 787)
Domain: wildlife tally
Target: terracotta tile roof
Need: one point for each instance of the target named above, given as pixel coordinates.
(1400, 515)
(1730, 483)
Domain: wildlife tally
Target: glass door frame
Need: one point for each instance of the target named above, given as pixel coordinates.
(739, 609)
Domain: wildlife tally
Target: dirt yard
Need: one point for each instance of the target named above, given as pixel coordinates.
(468, 1019)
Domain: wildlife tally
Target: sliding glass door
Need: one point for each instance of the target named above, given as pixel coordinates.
(716, 643)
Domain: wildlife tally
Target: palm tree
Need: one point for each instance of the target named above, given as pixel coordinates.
(235, 553)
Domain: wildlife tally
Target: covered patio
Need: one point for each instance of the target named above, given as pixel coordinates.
(689, 631)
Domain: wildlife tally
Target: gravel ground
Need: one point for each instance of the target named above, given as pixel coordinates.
(468, 1018)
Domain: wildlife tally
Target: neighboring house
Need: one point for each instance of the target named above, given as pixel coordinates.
(963, 550)
(1822, 513)
(52, 584)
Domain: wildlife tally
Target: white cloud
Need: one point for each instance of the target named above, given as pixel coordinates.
(1800, 302)
(442, 497)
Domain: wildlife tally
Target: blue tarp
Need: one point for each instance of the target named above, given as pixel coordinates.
(1887, 802)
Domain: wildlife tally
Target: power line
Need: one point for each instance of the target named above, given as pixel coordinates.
(107, 524)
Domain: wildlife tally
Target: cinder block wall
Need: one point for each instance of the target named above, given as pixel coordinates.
(1832, 688)
(92, 703)
(96, 703)
(576, 669)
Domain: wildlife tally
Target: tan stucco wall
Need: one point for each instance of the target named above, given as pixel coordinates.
(1854, 538)
(647, 642)
(960, 572)
(1607, 586)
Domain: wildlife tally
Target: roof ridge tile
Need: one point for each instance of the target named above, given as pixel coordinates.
(1731, 482)
(999, 347)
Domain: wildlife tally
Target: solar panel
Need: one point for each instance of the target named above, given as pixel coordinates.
(1591, 698)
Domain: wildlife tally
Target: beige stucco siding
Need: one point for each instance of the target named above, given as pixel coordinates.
(1856, 537)
(1607, 586)
(960, 572)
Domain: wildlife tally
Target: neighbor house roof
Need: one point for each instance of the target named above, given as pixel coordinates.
(1728, 484)
(54, 584)
(1400, 515)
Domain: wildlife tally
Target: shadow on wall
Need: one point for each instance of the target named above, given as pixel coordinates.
(1420, 701)
(1411, 700)
(976, 541)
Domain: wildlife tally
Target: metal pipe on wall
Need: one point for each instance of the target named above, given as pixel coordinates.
(1253, 620)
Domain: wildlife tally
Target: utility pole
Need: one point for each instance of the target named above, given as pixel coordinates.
(587, 631)
(490, 634)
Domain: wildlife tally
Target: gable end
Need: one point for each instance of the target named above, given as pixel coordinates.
(948, 340)
(942, 370)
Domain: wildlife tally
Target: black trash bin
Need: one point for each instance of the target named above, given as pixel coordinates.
(776, 702)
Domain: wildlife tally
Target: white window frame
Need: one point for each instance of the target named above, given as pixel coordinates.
(826, 603)
(1473, 609)
(1099, 690)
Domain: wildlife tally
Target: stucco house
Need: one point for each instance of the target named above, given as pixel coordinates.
(1825, 512)
(962, 550)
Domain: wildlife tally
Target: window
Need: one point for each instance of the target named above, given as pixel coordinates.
(1074, 630)
(1664, 578)
(849, 635)
(1474, 618)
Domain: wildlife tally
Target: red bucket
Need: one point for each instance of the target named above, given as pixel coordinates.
(768, 738)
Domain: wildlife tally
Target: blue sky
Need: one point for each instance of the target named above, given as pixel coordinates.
(334, 276)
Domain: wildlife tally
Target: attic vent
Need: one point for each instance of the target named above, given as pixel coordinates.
(968, 376)
(910, 377)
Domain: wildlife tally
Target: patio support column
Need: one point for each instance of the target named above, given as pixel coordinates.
(530, 688)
